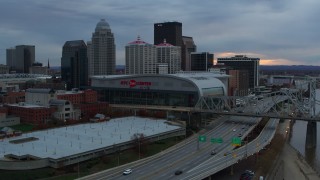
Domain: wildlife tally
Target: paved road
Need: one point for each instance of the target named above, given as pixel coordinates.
(190, 159)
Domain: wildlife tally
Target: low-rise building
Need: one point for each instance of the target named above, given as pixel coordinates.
(8, 120)
(33, 114)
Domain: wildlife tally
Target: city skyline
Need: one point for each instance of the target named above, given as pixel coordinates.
(276, 32)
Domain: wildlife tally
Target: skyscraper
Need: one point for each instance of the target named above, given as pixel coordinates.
(11, 57)
(21, 58)
(74, 64)
(102, 60)
(140, 57)
(171, 31)
(242, 62)
(25, 57)
(201, 61)
(187, 48)
(169, 55)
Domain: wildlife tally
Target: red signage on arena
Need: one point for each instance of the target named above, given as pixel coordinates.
(132, 83)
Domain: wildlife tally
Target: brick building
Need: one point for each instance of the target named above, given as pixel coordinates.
(86, 101)
(12, 97)
(32, 114)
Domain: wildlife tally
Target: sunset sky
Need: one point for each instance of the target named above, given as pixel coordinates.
(280, 32)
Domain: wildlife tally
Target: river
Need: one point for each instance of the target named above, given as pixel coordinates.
(297, 139)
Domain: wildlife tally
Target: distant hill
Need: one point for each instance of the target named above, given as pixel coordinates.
(297, 70)
(291, 68)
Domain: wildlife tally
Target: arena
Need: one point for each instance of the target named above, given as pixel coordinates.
(181, 89)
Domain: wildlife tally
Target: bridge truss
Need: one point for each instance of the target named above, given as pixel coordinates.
(297, 103)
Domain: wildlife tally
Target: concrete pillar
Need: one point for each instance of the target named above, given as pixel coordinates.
(311, 137)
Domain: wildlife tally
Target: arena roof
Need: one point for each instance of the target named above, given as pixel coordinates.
(202, 80)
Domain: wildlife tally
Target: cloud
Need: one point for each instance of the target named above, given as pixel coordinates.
(276, 31)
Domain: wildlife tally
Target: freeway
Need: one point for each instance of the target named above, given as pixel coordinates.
(193, 156)
(187, 156)
(219, 161)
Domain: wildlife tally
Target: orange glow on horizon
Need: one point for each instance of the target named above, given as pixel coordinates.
(270, 62)
(263, 59)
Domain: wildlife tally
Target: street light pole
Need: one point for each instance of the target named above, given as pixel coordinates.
(139, 147)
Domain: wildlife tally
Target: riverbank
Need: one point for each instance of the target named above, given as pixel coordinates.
(290, 164)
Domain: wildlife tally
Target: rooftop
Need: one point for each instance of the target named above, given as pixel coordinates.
(66, 141)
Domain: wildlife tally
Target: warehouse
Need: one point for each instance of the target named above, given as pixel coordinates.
(181, 89)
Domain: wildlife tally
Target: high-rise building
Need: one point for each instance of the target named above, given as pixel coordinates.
(242, 62)
(238, 82)
(171, 31)
(74, 64)
(140, 58)
(170, 55)
(102, 57)
(90, 59)
(201, 61)
(21, 58)
(187, 48)
(11, 57)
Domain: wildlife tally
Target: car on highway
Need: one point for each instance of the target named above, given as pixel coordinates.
(178, 172)
(127, 172)
(213, 152)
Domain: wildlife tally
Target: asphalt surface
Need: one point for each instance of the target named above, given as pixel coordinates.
(194, 158)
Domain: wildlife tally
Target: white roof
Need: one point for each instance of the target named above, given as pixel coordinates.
(66, 141)
(204, 80)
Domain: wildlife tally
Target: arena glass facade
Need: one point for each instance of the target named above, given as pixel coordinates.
(162, 90)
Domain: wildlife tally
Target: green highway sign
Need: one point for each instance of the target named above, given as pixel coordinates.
(236, 141)
(216, 140)
(202, 138)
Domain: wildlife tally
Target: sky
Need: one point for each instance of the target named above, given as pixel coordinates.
(279, 32)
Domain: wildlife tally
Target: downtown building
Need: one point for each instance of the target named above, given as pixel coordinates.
(102, 51)
(20, 58)
(140, 58)
(242, 62)
(188, 46)
(168, 58)
(145, 58)
(74, 64)
(201, 61)
(172, 33)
